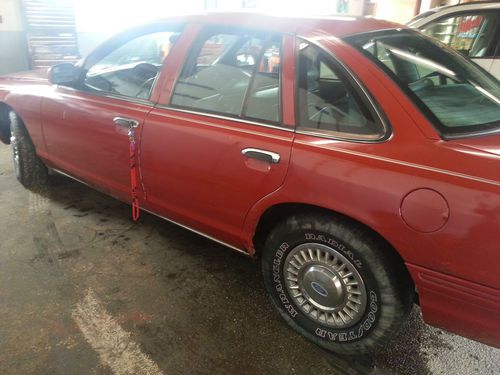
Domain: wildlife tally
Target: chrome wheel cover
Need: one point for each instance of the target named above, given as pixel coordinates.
(325, 285)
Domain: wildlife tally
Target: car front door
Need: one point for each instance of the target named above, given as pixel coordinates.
(221, 140)
(86, 125)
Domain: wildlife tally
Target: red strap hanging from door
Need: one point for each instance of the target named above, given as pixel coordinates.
(133, 176)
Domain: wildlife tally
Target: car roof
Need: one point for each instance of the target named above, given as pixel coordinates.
(336, 26)
(474, 4)
(434, 13)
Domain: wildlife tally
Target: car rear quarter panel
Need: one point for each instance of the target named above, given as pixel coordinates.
(368, 182)
(455, 268)
(369, 186)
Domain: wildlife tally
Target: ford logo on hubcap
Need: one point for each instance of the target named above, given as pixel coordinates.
(319, 289)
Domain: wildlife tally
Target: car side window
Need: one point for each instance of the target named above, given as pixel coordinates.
(232, 73)
(327, 101)
(264, 100)
(472, 34)
(131, 68)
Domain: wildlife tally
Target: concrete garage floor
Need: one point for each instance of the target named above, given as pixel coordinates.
(83, 290)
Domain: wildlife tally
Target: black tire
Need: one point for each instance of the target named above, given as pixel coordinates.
(30, 170)
(385, 280)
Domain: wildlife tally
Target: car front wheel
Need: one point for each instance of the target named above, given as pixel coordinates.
(30, 170)
(336, 283)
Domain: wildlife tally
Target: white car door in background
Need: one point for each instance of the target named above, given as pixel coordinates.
(473, 33)
(495, 65)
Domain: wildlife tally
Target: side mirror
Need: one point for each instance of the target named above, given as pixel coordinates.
(64, 73)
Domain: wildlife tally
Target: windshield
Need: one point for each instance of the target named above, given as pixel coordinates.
(457, 96)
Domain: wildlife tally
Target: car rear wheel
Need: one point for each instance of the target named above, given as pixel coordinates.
(336, 283)
(30, 170)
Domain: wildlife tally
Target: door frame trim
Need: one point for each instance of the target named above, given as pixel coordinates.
(228, 118)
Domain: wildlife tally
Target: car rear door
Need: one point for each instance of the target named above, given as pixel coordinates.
(221, 138)
(86, 125)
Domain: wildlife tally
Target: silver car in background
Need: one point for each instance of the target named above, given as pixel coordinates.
(473, 29)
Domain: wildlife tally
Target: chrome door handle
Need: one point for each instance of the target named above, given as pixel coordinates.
(262, 155)
(128, 123)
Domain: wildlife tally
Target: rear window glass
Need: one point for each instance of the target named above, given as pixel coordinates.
(327, 102)
(458, 96)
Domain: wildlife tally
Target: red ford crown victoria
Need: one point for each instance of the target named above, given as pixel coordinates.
(359, 159)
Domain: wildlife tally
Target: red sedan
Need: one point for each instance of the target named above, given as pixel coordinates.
(359, 159)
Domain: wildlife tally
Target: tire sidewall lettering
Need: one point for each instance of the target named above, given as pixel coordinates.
(353, 334)
(278, 286)
(359, 330)
(336, 245)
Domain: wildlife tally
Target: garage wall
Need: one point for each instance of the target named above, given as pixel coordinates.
(355, 7)
(93, 24)
(400, 11)
(13, 46)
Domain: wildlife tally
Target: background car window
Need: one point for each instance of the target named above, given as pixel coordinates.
(457, 96)
(131, 69)
(470, 34)
(233, 74)
(327, 101)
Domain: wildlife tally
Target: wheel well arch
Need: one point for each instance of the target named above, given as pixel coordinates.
(278, 212)
(5, 109)
(274, 214)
